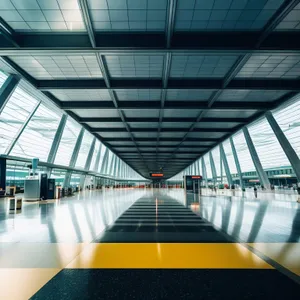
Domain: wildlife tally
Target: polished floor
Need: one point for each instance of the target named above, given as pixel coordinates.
(152, 244)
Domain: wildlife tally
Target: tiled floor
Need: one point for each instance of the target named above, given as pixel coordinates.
(151, 244)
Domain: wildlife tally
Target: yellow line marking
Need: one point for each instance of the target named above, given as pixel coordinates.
(286, 254)
(168, 255)
(21, 284)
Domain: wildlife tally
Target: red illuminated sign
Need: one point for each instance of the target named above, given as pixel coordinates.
(196, 177)
(157, 175)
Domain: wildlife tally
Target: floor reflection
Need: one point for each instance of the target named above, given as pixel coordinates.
(247, 219)
(81, 218)
(74, 219)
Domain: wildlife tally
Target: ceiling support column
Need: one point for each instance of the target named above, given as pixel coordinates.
(263, 177)
(285, 144)
(204, 171)
(213, 168)
(237, 163)
(226, 166)
(7, 90)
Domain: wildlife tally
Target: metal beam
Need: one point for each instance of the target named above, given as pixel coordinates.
(213, 168)
(112, 129)
(7, 90)
(16, 138)
(237, 162)
(114, 139)
(204, 171)
(155, 120)
(90, 155)
(280, 14)
(57, 139)
(170, 21)
(74, 156)
(285, 144)
(234, 42)
(226, 166)
(134, 83)
(103, 169)
(180, 105)
(8, 33)
(97, 161)
(87, 21)
(256, 161)
(161, 146)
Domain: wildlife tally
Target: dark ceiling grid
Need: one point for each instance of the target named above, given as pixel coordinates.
(284, 10)
(171, 10)
(199, 43)
(103, 67)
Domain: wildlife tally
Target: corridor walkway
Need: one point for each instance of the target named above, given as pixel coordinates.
(151, 244)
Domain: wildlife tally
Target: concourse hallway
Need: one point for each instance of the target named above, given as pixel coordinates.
(163, 248)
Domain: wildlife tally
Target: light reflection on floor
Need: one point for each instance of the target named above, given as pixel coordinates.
(73, 219)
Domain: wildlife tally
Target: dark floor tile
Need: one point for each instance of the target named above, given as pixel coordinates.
(94, 284)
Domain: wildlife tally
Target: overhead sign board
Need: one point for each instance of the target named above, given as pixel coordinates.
(156, 174)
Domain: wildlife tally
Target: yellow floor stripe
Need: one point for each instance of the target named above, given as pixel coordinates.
(286, 254)
(21, 284)
(168, 255)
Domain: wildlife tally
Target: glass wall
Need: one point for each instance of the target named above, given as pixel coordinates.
(13, 117)
(93, 166)
(36, 140)
(243, 153)
(67, 143)
(3, 77)
(84, 150)
(267, 146)
(208, 167)
(216, 157)
(289, 122)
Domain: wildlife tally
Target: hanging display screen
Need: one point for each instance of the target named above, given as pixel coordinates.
(156, 174)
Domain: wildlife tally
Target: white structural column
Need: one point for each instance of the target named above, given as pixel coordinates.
(104, 162)
(256, 161)
(88, 161)
(213, 167)
(285, 144)
(237, 162)
(225, 163)
(96, 166)
(198, 167)
(14, 141)
(57, 139)
(74, 157)
(204, 171)
(7, 89)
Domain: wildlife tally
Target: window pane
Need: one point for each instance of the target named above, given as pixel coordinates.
(94, 157)
(67, 143)
(75, 179)
(267, 146)
(109, 166)
(36, 140)
(59, 176)
(216, 157)
(229, 156)
(13, 116)
(84, 150)
(207, 165)
(289, 122)
(3, 77)
(102, 149)
(243, 152)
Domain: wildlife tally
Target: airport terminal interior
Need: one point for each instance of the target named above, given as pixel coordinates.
(149, 149)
